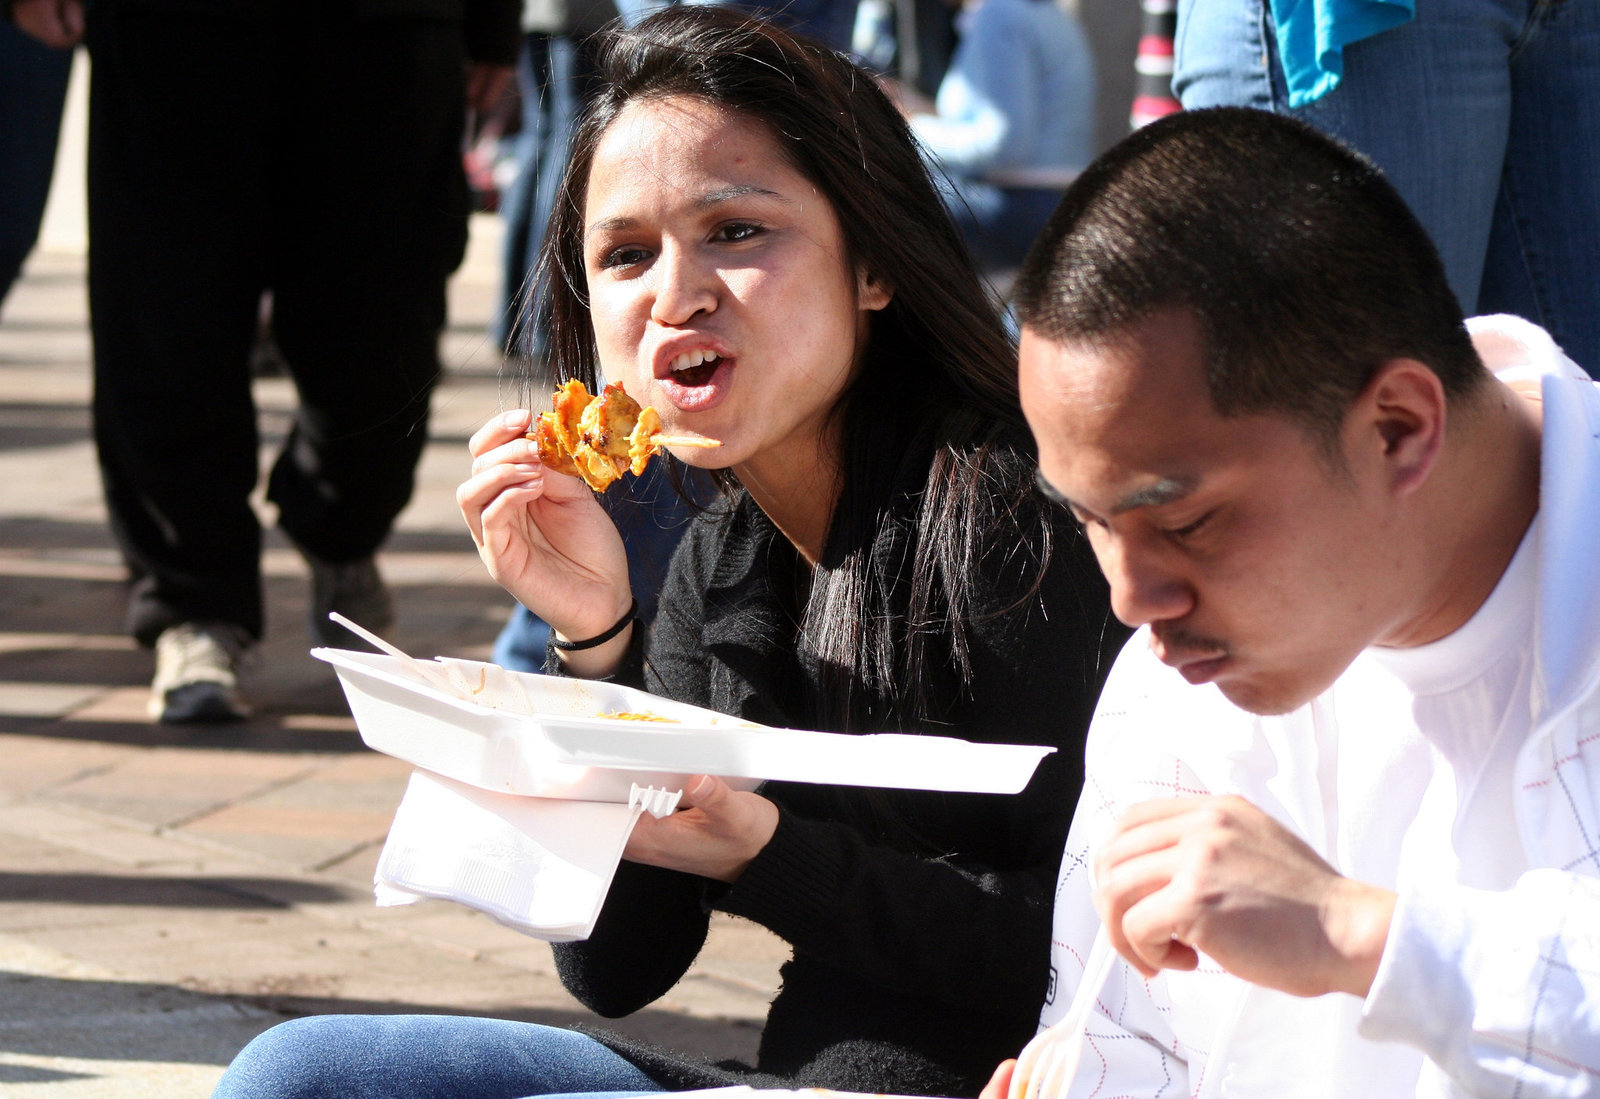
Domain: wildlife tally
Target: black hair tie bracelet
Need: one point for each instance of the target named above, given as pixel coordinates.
(601, 638)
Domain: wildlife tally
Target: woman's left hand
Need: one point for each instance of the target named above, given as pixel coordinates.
(715, 833)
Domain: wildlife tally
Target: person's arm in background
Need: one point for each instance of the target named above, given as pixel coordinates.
(989, 98)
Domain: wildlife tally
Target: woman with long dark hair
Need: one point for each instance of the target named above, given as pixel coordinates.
(748, 240)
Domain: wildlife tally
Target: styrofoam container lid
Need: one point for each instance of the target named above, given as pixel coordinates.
(551, 736)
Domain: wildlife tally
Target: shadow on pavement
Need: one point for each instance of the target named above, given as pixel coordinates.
(165, 891)
(42, 425)
(52, 1017)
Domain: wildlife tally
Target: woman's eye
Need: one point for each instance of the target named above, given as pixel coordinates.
(625, 256)
(737, 231)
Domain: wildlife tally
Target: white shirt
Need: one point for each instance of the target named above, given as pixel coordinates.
(1464, 775)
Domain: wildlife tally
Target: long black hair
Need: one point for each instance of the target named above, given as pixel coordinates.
(937, 377)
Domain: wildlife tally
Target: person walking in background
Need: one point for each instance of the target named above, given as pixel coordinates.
(1013, 121)
(310, 149)
(1485, 114)
(33, 88)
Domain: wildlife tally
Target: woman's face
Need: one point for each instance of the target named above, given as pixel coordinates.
(720, 288)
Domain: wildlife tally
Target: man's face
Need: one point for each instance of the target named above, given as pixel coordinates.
(1257, 565)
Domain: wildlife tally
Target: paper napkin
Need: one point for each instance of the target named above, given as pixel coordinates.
(540, 865)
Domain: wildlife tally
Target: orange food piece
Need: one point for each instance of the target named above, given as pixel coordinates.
(600, 438)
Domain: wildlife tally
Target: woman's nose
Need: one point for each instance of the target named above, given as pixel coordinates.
(685, 287)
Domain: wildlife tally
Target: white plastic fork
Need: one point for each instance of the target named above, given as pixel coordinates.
(368, 636)
(1046, 1066)
(430, 672)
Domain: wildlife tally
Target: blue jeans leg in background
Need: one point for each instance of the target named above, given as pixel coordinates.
(33, 87)
(522, 641)
(1485, 115)
(425, 1057)
(551, 75)
(520, 246)
(1544, 247)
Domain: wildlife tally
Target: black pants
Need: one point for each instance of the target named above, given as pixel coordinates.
(300, 149)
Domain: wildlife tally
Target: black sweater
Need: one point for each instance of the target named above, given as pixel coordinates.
(919, 921)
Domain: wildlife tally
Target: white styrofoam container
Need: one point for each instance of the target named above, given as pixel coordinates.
(544, 736)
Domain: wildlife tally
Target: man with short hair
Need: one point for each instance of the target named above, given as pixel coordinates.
(1342, 816)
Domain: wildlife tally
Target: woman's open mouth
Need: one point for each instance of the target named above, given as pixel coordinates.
(696, 381)
(694, 368)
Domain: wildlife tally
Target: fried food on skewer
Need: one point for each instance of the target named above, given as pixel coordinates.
(641, 441)
(597, 438)
(555, 433)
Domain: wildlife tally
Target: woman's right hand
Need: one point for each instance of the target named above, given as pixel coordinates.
(543, 535)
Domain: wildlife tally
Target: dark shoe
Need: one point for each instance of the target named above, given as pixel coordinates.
(355, 590)
(196, 677)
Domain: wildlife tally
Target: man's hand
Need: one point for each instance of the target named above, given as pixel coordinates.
(715, 833)
(56, 23)
(1218, 875)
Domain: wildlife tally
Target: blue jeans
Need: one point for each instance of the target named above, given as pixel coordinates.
(425, 1057)
(1485, 114)
(33, 87)
(551, 74)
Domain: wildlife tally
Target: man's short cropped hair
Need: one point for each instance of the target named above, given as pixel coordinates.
(1304, 267)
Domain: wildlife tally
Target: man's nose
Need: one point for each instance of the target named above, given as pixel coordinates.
(1145, 586)
(685, 286)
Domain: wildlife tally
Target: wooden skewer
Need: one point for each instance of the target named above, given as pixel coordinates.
(663, 439)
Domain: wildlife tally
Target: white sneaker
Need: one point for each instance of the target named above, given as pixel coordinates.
(354, 589)
(197, 673)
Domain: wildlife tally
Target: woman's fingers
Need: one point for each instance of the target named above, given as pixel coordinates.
(543, 536)
(499, 430)
(489, 493)
(715, 833)
(511, 450)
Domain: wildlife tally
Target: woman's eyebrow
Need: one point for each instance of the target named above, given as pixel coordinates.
(610, 225)
(738, 190)
(622, 223)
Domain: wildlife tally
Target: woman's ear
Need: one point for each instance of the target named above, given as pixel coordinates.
(871, 291)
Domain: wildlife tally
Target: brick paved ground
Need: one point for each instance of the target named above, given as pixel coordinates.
(166, 893)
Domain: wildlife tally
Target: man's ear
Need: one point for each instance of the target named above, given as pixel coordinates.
(871, 291)
(1399, 422)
